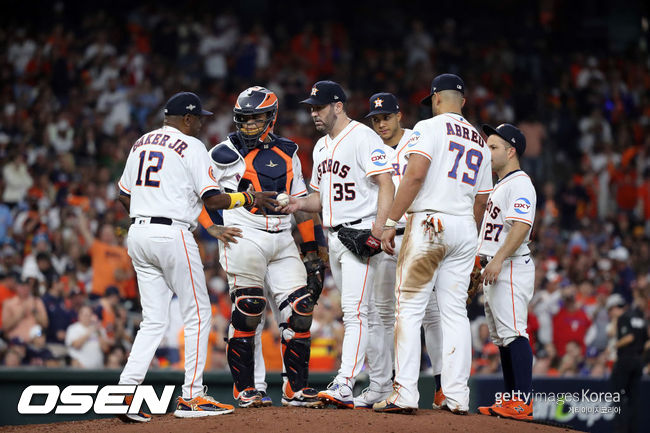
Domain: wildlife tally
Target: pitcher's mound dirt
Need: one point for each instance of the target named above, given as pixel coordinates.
(291, 420)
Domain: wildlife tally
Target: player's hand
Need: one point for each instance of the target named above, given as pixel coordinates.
(225, 234)
(432, 226)
(388, 241)
(491, 271)
(293, 206)
(264, 199)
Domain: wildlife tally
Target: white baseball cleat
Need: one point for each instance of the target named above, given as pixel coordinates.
(338, 394)
(368, 397)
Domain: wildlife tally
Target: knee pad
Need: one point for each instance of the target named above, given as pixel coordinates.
(249, 305)
(302, 303)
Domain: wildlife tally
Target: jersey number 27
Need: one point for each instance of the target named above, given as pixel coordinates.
(153, 168)
(473, 159)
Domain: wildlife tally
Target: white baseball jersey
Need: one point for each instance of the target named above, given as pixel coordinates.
(398, 163)
(267, 161)
(460, 167)
(342, 170)
(188, 175)
(513, 199)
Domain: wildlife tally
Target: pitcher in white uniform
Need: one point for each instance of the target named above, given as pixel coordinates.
(385, 117)
(352, 187)
(446, 183)
(509, 274)
(166, 180)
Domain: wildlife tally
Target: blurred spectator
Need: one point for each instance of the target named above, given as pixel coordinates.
(7, 290)
(37, 352)
(59, 316)
(21, 312)
(116, 269)
(570, 325)
(106, 310)
(17, 180)
(15, 354)
(86, 340)
(116, 358)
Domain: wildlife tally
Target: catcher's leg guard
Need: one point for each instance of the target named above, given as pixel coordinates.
(296, 338)
(248, 307)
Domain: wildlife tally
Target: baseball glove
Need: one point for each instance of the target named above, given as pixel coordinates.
(360, 242)
(315, 275)
(475, 284)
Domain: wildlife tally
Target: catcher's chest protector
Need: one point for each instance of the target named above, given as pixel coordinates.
(268, 169)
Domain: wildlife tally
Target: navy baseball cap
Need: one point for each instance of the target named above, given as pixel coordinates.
(383, 103)
(185, 103)
(444, 82)
(325, 92)
(509, 133)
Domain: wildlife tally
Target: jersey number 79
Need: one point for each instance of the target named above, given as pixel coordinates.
(473, 159)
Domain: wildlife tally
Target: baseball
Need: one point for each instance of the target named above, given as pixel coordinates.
(283, 199)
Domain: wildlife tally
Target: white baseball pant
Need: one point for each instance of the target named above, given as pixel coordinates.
(270, 261)
(506, 307)
(354, 278)
(380, 354)
(454, 252)
(167, 261)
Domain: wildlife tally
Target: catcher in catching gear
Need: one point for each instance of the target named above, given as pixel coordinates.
(266, 255)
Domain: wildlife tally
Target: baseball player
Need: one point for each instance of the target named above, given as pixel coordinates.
(255, 158)
(444, 189)
(385, 117)
(353, 188)
(166, 177)
(509, 273)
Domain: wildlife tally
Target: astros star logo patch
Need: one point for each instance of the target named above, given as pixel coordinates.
(314, 91)
(378, 102)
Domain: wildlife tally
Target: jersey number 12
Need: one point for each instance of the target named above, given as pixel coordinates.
(152, 168)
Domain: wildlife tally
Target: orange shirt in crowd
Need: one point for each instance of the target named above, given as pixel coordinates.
(5, 293)
(106, 259)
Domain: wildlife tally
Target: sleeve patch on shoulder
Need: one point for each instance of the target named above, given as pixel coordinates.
(378, 157)
(413, 139)
(224, 155)
(522, 206)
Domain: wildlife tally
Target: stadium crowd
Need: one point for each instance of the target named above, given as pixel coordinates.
(76, 94)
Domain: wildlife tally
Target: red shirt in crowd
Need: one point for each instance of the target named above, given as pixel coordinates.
(569, 325)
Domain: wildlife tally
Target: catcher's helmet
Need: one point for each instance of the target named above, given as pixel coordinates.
(252, 101)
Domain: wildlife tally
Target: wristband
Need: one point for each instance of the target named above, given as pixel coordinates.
(204, 218)
(239, 199)
(389, 223)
